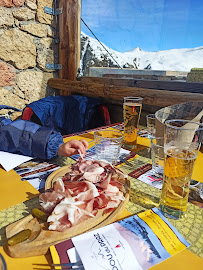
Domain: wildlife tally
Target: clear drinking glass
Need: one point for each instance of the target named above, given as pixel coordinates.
(157, 155)
(151, 125)
(182, 141)
(132, 107)
(108, 144)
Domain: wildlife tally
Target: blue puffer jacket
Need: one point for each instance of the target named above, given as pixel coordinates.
(27, 138)
(66, 114)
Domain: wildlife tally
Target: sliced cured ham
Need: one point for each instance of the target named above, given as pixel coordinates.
(49, 200)
(80, 193)
(101, 201)
(68, 213)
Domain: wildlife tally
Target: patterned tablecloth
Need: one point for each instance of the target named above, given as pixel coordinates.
(142, 197)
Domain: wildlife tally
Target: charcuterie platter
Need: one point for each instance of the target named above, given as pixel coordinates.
(87, 195)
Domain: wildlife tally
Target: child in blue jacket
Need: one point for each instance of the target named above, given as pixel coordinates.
(29, 139)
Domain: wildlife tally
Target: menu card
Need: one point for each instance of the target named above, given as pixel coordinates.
(134, 243)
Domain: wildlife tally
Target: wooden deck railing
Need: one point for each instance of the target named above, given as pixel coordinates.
(155, 93)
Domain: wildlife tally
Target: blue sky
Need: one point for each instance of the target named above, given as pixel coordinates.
(152, 25)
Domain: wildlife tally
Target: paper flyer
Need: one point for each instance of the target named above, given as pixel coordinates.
(36, 172)
(146, 175)
(151, 179)
(9, 161)
(135, 243)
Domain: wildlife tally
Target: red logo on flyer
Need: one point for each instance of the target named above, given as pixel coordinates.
(117, 246)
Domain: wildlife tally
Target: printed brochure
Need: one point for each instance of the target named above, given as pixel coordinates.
(134, 243)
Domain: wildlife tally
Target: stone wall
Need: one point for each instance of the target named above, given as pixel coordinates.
(27, 44)
(195, 75)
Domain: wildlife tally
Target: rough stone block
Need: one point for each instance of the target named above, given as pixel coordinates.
(18, 3)
(31, 4)
(46, 53)
(24, 14)
(11, 3)
(7, 75)
(19, 48)
(36, 29)
(43, 17)
(6, 17)
(32, 84)
(8, 98)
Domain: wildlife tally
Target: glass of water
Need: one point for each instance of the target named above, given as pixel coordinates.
(151, 125)
(108, 144)
(157, 155)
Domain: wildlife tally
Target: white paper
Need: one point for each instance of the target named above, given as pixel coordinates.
(124, 152)
(38, 180)
(105, 248)
(74, 257)
(151, 179)
(10, 161)
(36, 172)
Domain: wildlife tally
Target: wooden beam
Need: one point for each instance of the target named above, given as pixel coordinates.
(78, 37)
(149, 84)
(69, 41)
(146, 77)
(155, 97)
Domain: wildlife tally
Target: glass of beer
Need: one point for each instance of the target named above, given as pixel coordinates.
(182, 140)
(132, 107)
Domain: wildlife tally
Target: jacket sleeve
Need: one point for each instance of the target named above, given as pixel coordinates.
(27, 138)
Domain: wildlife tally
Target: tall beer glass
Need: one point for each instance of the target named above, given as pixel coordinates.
(132, 107)
(182, 140)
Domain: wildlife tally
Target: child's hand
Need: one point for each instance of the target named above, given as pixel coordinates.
(71, 148)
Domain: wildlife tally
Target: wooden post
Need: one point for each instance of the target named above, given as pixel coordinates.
(69, 39)
(79, 34)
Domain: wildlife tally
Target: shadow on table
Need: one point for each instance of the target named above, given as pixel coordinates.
(145, 153)
(15, 213)
(142, 199)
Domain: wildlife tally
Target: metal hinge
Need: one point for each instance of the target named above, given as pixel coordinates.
(52, 11)
(53, 66)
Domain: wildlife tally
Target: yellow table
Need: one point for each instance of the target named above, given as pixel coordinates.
(14, 191)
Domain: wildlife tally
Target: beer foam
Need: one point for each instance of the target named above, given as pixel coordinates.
(131, 104)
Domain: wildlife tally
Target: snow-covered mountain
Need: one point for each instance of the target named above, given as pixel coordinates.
(94, 54)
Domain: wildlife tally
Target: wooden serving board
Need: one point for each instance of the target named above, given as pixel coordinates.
(44, 238)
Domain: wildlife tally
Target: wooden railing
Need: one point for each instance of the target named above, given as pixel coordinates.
(157, 93)
(180, 86)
